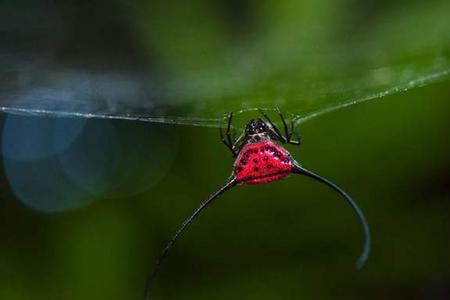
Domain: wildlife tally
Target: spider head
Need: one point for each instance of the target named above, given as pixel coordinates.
(256, 126)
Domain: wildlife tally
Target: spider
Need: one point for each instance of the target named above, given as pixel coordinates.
(260, 158)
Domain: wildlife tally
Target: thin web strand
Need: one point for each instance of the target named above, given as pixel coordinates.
(422, 81)
(415, 83)
(201, 122)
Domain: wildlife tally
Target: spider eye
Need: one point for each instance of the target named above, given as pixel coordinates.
(256, 126)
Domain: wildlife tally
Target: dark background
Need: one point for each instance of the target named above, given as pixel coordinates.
(86, 205)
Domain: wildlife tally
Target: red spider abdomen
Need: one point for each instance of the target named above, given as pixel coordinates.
(262, 162)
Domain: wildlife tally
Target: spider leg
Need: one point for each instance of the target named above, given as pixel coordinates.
(230, 119)
(229, 184)
(238, 144)
(289, 132)
(224, 141)
(286, 128)
(276, 131)
(297, 135)
(221, 135)
(227, 141)
(234, 136)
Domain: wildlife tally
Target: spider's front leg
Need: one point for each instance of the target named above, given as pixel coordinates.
(274, 129)
(293, 132)
(289, 132)
(227, 139)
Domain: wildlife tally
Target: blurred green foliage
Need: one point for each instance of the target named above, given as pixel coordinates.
(293, 239)
(301, 55)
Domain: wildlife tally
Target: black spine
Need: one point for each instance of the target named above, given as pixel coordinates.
(365, 227)
(229, 184)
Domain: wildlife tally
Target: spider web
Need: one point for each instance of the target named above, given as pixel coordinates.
(299, 118)
(296, 65)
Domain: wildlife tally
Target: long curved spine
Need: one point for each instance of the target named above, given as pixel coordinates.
(229, 184)
(365, 226)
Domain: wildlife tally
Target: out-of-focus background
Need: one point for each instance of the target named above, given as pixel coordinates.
(109, 141)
